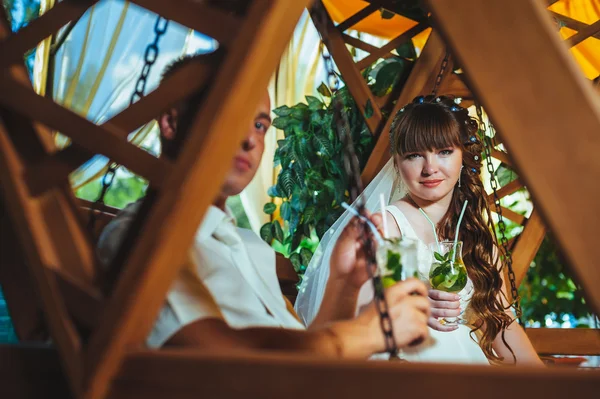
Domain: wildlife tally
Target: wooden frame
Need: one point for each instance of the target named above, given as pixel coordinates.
(535, 50)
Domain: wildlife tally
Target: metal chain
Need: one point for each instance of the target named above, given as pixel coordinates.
(352, 169)
(438, 79)
(488, 144)
(150, 57)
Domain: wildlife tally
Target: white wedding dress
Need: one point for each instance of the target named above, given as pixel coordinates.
(441, 347)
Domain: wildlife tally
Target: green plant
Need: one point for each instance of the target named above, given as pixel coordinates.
(312, 182)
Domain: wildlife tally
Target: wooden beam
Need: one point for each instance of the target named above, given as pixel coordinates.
(30, 218)
(356, 18)
(103, 140)
(18, 289)
(502, 157)
(32, 372)
(393, 44)
(420, 81)
(359, 44)
(217, 24)
(507, 189)
(503, 68)
(583, 34)
(13, 47)
(572, 23)
(512, 215)
(190, 374)
(83, 301)
(354, 81)
(527, 245)
(565, 341)
(196, 179)
(184, 82)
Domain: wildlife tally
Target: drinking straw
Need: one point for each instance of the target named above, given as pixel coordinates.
(367, 221)
(385, 224)
(462, 213)
(437, 242)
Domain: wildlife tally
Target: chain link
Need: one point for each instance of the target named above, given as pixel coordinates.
(150, 56)
(352, 169)
(507, 255)
(440, 76)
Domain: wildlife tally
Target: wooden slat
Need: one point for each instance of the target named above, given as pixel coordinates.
(356, 18)
(354, 81)
(565, 341)
(512, 215)
(507, 189)
(30, 217)
(185, 374)
(103, 140)
(187, 80)
(393, 44)
(31, 372)
(198, 174)
(527, 245)
(420, 81)
(16, 45)
(530, 45)
(83, 301)
(17, 286)
(583, 34)
(354, 42)
(454, 86)
(572, 23)
(501, 156)
(217, 24)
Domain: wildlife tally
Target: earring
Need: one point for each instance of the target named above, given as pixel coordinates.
(460, 174)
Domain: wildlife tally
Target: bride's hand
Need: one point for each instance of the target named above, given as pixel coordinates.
(443, 304)
(348, 262)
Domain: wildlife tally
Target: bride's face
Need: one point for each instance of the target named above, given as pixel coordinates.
(430, 175)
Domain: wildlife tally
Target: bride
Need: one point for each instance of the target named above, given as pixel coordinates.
(437, 158)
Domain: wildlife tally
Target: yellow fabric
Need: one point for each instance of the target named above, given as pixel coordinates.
(586, 53)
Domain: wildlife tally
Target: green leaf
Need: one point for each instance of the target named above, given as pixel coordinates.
(266, 233)
(324, 90)
(284, 110)
(314, 103)
(281, 123)
(285, 210)
(269, 208)
(387, 76)
(272, 192)
(309, 214)
(368, 109)
(385, 14)
(296, 260)
(439, 256)
(277, 231)
(407, 50)
(306, 255)
(323, 145)
(287, 181)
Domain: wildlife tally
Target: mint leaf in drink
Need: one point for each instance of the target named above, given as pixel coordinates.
(439, 257)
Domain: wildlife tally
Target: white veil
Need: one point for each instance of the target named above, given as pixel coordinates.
(315, 278)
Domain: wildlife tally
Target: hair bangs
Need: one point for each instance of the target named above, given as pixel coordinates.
(425, 128)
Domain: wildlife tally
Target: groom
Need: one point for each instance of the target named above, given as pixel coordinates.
(228, 296)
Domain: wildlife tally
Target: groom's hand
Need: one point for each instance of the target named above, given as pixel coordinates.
(348, 261)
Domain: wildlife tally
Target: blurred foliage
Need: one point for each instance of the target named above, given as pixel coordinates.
(312, 183)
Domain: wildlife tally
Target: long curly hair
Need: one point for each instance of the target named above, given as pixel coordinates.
(430, 123)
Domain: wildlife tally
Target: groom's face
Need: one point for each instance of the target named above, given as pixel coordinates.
(247, 159)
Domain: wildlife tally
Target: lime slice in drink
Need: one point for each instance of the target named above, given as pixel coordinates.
(388, 282)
